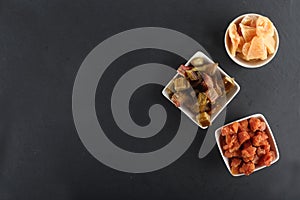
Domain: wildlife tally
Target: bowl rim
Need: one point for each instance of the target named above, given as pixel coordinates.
(245, 63)
(226, 160)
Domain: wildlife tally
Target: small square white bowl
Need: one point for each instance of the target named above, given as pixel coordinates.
(233, 92)
(271, 140)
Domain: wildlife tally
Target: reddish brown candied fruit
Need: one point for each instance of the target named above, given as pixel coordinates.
(254, 124)
(234, 170)
(248, 152)
(266, 147)
(234, 127)
(267, 159)
(262, 126)
(256, 159)
(247, 144)
(247, 168)
(235, 162)
(251, 134)
(232, 154)
(232, 142)
(260, 138)
(243, 125)
(225, 131)
(243, 136)
(260, 151)
(248, 159)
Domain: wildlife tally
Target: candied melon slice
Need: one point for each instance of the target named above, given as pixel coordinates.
(245, 50)
(248, 32)
(257, 49)
(249, 20)
(241, 44)
(270, 44)
(234, 38)
(264, 27)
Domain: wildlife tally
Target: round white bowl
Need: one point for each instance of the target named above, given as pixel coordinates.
(253, 63)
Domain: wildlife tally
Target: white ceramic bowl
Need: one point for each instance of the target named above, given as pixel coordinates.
(232, 93)
(254, 63)
(271, 140)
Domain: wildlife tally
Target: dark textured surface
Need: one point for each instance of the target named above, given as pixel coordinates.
(42, 44)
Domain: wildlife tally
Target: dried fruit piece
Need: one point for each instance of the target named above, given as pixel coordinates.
(232, 154)
(181, 84)
(235, 162)
(249, 20)
(248, 32)
(248, 152)
(259, 139)
(243, 136)
(254, 124)
(267, 159)
(234, 127)
(241, 44)
(234, 38)
(203, 119)
(243, 125)
(245, 50)
(264, 27)
(270, 43)
(257, 49)
(247, 168)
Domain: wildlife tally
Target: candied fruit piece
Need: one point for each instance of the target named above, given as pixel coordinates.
(232, 154)
(243, 136)
(248, 159)
(247, 168)
(234, 127)
(249, 151)
(243, 125)
(254, 123)
(260, 138)
(235, 170)
(235, 162)
(248, 32)
(234, 38)
(249, 20)
(245, 50)
(257, 49)
(262, 126)
(267, 159)
(225, 131)
(270, 43)
(256, 159)
(264, 27)
(241, 44)
(260, 151)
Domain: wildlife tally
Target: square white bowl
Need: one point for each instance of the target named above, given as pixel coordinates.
(232, 93)
(268, 131)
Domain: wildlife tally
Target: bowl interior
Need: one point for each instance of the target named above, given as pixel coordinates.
(233, 92)
(271, 140)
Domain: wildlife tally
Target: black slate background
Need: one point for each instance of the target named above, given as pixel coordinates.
(42, 44)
